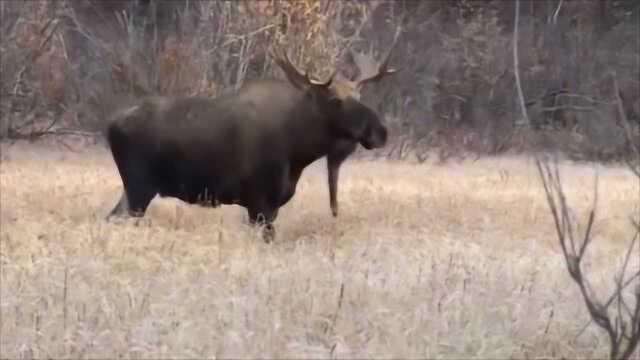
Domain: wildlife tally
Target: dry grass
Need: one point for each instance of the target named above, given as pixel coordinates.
(454, 261)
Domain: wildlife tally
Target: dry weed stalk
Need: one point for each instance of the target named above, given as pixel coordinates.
(623, 327)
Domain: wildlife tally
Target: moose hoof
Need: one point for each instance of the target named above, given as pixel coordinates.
(116, 217)
(268, 234)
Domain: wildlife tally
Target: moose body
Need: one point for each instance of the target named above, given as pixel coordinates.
(248, 148)
(242, 149)
(206, 151)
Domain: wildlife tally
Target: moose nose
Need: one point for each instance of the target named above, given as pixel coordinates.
(379, 138)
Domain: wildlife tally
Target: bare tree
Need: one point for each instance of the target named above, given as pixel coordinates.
(616, 316)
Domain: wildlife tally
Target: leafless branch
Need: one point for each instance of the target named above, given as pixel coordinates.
(243, 37)
(623, 329)
(586, 98)
(574, 108)
(557, 12)
(59, 132)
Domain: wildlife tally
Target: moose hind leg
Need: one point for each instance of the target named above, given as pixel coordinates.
(264, 216)
(139, 198)
(138, 191)
(139, 187)
(137, 208)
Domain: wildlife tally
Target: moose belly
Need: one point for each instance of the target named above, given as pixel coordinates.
(201, 191)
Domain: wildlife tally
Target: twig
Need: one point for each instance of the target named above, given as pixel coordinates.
(17, 135)
(515, 63)
(335, 315)
(546, 329)
(567, 107)
(557, 12)
(64, 300)
(72, 132)
(585, 98)
(236, 38)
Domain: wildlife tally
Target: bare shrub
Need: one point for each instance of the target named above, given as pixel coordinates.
(619, 315)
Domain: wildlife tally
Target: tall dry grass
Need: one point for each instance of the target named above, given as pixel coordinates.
(436, 261)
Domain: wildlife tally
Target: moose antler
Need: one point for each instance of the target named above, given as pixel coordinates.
(367, 65)
(293, 75)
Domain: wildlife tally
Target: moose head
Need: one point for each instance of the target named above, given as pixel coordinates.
(338, 97)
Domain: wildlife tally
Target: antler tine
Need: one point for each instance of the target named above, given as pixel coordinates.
(383, 69)
(294, 76)
(317, 82)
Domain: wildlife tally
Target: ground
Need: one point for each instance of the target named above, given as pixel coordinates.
(425, 260)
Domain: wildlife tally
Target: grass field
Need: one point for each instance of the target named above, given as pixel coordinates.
(436, 261)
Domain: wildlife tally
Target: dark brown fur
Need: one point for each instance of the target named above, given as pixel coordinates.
(248, 148)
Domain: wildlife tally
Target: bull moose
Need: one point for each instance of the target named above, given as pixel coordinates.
(248, 148)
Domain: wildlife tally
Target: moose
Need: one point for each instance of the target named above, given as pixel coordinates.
(247, 148)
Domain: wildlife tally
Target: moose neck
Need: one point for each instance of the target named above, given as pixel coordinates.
(302, 122)
(310, 139)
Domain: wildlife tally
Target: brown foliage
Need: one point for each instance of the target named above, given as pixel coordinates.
(178, 72)
(457, 71)
(51, 74)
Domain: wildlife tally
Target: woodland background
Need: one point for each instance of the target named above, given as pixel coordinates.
(421, 273)
(66, 64)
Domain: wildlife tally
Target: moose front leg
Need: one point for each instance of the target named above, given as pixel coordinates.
(263, 215)
(334, 161)
(333, 173)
